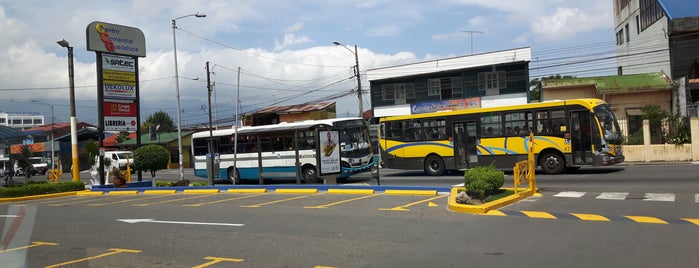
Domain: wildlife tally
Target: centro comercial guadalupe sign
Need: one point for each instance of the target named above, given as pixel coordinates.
(118, 48)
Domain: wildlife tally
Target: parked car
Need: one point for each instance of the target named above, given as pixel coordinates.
(119, 158)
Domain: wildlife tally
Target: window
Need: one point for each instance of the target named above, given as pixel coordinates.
(620, 37)
(387, 92)
(394, 130)
(627, 32)
(638, 25)
(491, 125)
(517, 124)
(435, 129)
(550, 122)
(38, 121)
(399, 90)
(2, 121)
(434, 87)
(650, 13)
(16, 121)
(27, 121)
(491, 82)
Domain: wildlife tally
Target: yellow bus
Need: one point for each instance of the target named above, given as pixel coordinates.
(568, 134)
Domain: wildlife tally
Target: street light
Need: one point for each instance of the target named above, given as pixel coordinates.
(356, 71)
(75, 168)
(177, 87)
(53, 125)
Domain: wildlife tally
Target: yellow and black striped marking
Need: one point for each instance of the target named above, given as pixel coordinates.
(592, 217)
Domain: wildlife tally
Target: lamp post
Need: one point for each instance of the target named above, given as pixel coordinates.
(75, 165)
(356, 72)
(53, 125)
(177, 88)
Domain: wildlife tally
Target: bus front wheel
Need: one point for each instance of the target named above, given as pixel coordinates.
(434, 166)
(310, 175)
(552, 163)
(233, 177)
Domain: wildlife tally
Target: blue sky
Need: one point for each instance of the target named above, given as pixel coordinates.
(284, 48)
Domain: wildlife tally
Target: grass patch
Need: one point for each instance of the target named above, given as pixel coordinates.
(500, 193)
(39, 188)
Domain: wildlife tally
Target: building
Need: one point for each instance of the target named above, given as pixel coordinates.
(660, 36)
(479, 80)
(21, 120)
(292, 113)
(626, 94)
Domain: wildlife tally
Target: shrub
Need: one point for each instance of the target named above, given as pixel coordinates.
(151, 158)
(483, 180)
(41, 188)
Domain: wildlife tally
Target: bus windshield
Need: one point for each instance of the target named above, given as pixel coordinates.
(612, 132)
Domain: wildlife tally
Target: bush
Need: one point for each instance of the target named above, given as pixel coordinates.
(483, 180)
(41, 188)
(151, 158)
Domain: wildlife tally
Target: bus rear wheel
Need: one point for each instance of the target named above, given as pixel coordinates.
(434, 166)
(233, 177)
(309, 175)
(552, 163)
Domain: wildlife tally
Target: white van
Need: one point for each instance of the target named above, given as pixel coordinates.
(117, 159)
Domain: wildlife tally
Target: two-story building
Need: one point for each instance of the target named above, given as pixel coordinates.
(473, 81)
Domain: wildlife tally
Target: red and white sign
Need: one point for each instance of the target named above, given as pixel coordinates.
(119, 109)
(116, 123)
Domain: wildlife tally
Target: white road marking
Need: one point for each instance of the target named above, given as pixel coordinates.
(570, 194)
(612, 196)
(180, 222)
(659, 197)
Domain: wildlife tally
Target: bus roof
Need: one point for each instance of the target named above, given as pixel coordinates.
(276, 127)
(589, 102)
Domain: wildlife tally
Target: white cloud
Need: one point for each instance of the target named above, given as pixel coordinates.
(293, 28)
(386, 30)
(565, 23)
(290, 40)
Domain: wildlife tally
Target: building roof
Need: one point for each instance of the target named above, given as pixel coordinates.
(450, 64)
(111, 140)
(292, 109)
(616, 83)
(679, 8)
(10, 133)
(161, 138)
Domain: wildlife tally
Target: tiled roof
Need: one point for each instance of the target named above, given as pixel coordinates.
(289, 109)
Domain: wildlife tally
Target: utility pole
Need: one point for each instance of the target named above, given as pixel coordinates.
(210, 155)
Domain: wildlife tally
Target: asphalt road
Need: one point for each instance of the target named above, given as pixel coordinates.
(380, 230)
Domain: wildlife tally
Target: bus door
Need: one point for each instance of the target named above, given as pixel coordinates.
(465, 144)
(581, 137)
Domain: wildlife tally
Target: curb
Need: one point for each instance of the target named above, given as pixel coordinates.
(34, 197)
(484, 208)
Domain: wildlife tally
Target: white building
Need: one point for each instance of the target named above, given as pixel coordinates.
(21, 120)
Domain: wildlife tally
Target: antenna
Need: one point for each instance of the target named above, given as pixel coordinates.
(471, 35)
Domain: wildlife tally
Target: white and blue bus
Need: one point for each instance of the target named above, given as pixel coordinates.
(282, 151)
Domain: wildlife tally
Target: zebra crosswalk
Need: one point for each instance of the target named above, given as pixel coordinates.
(657, 197)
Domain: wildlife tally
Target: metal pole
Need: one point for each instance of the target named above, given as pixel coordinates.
(210, 159)
(235, 143)
(177, 89)
(53, 129)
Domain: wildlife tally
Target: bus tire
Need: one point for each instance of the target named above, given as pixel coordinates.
(233, 177)
(552, 163)
(434, 166)
(309, 174)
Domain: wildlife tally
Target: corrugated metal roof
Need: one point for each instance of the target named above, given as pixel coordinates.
(680, 8)
(615, 83)
(290, 109)
(10, 133)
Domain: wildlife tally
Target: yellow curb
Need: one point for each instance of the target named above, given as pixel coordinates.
(89, 193)
(128, 192)
(200, 191)
(646, 219)
(485, 208)
(351, 191)
(296, 191)
(159, 191)
(246, 191)
(410, 192)
(33, 197)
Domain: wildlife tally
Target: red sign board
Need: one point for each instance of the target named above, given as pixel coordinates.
(119, 109)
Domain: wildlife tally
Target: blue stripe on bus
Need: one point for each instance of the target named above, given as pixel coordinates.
(417, 144)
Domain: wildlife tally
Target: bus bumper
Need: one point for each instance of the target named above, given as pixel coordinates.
(607, 159)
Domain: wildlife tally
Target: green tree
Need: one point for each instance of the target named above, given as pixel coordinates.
(655, 116)
(122, 136)
(151, 158)
(161, 119)
(92, 149)
(24, 164)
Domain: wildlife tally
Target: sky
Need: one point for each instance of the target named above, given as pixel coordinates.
(283, 49)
